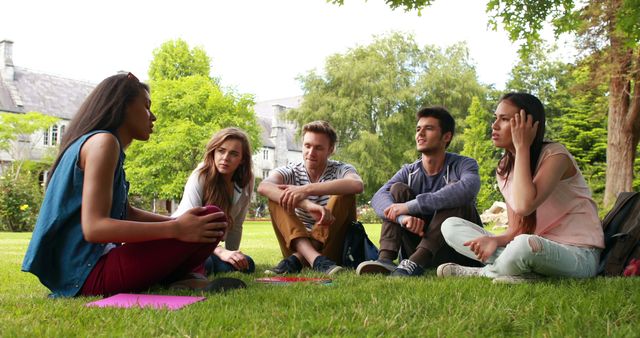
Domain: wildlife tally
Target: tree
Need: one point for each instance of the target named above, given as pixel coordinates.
(18, 135)
(371, 94)
(607, 29)
(582, 125)
(537, 73)
(174, 60)
(477, 144)
(189, 109)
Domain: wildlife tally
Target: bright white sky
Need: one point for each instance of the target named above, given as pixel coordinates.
(256, 46)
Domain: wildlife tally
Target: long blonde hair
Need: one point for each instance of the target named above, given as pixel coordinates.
(215, 190)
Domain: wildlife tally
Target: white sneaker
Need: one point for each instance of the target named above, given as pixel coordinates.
(520, 279)
(453, 269)
(381, 266)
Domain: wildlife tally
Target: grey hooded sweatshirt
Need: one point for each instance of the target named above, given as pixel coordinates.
(457, 184)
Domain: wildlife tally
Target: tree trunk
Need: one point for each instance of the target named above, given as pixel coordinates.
(623, 122)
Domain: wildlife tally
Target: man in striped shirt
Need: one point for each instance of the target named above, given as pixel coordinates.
(311, 203)
(420, 196)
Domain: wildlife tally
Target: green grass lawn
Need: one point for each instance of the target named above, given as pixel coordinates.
(351, 306)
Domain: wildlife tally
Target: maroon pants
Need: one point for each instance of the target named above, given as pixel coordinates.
(137, 266)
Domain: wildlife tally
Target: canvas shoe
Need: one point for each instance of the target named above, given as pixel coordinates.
(326, 266)
(407, 268)
(290, 264)
(520, 279)
(455, 270)
(383, 266)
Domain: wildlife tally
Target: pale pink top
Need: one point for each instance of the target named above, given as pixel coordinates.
(569, 215)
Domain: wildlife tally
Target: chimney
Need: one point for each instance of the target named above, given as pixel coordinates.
(6, 63)
(279, 133)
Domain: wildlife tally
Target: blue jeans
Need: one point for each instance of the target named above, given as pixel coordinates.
(524, 254)
(214, 265)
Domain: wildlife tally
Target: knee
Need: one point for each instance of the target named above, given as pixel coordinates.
(398, 188)
(273, 206)
(251, 264)
(450, 227)
(341, 199)
(525, 245)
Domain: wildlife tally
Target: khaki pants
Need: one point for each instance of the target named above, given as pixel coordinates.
(328, 240)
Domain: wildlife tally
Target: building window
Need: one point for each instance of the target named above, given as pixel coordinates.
(54, 134)
(62, 128)
(265, 173)
(265, 154)
(45, 137)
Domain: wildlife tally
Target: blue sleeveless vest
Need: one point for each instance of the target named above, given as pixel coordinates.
(58, 253)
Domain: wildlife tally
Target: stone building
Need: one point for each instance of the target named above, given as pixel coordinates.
(23, 90)
(280, 142)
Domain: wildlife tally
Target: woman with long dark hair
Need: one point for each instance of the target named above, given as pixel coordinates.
(88, 240)
(554, 229)
(224, 178)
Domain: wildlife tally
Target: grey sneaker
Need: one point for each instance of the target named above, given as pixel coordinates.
(407, 268)
(383, 266)
(520, 279)
(326, 266)
(453, 269)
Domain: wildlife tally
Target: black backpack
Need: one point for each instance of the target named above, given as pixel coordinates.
(357, 246)
(621, 234)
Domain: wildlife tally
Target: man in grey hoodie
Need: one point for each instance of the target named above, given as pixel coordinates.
(420, 196)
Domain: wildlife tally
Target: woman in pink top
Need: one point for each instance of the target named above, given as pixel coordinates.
(554, 229)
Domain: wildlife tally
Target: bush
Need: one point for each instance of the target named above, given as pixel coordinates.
(367, 215)
(19, 202)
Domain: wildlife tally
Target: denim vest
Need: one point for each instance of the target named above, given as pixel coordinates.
(58, 253)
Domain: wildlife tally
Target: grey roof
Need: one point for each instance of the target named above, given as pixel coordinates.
(44, 93)
(293, 141)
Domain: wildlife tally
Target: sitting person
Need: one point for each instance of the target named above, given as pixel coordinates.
(224, 179)
(554, 229)
(420, 196)
(311, 203)
(88, 240)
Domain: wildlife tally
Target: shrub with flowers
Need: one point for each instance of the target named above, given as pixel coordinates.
(366, 214)
(20, 200)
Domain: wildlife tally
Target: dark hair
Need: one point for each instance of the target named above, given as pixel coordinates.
(103, 109)
(532, 106)
(321, 127)
(447, 123)
(215, 190)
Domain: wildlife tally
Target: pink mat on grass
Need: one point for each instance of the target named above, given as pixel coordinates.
(128, 300)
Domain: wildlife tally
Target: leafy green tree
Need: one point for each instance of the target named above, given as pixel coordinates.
(477, 144)
(582, 126)
(371, 94)
(18, 135)
(606, 29)
(189, 109)
(544, 77)
(174, 60)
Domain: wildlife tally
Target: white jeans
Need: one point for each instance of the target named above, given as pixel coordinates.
(524, 254)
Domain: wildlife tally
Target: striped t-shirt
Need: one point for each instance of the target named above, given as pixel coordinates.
(296, 174)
